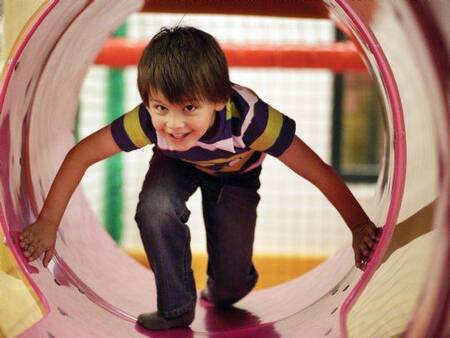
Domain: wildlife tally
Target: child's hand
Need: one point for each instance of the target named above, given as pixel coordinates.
(38, 238)
(365, 238)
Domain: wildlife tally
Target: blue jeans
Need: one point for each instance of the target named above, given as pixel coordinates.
(229, 211)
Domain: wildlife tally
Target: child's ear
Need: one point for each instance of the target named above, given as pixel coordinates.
(219, 106)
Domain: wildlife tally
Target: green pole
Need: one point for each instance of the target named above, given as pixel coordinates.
(113, 193)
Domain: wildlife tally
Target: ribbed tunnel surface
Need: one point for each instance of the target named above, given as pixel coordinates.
(92, 289)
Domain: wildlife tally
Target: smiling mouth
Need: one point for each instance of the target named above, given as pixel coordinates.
(179, 136)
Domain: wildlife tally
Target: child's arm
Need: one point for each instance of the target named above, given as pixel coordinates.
(306, 163)
(40, 236)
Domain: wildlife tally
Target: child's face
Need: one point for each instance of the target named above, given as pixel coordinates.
(181, 125)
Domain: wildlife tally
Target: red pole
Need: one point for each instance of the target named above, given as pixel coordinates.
(338, 57)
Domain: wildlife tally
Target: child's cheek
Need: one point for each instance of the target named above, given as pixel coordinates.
(157, 123)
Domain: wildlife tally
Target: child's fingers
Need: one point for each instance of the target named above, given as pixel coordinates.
(371, 230)
(29, 250)
(369, 241)
(36, 253)
(33, 251)
(364, 265)
(26, 233)
(358, 259)
(364, 249)
(26, 238)
(48, 256)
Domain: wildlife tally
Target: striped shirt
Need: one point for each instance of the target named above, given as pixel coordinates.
(245, 130)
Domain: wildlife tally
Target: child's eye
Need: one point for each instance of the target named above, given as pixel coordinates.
(160, 109)
(190, 108)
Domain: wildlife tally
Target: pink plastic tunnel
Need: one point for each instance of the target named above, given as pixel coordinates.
(92, 289)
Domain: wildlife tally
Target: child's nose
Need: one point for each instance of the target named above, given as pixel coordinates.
(174, 121)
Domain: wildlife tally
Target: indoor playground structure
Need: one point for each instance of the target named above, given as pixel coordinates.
(91, 288)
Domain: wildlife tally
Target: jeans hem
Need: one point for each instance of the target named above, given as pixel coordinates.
(179, 311)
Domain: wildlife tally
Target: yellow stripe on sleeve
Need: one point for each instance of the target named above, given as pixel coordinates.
(134, 129)
(232, 111)
(271, 132)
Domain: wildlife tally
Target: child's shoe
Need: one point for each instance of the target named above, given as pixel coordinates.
(155, 321)
(205, 297)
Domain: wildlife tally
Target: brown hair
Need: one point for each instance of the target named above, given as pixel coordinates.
(184, 64)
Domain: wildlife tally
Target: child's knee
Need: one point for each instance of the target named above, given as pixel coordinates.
(150, 210)
(159, 213)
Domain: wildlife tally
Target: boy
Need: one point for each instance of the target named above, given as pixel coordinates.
(208, 133)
